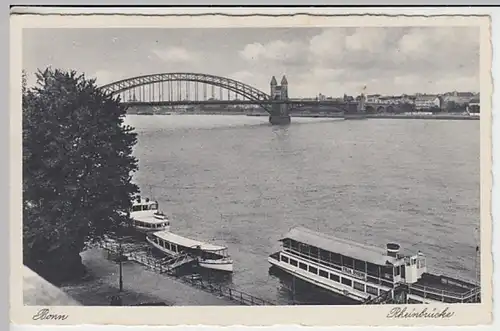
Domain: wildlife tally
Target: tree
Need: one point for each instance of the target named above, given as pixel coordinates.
(77, 171)
(24, 81)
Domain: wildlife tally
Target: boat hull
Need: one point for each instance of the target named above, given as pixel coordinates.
(226, 266)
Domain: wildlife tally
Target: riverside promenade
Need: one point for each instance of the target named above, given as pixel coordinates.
(139, 285)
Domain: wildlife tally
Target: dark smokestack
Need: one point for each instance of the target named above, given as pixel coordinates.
(392, 249)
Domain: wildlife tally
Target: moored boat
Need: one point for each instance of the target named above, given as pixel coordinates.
(207, 255)
(363, 273)
(146, 216)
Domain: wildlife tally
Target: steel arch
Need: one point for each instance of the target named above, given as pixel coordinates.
(227, 83)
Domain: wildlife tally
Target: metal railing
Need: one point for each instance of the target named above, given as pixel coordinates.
(167, 266)
(227, 292)
(423, 291)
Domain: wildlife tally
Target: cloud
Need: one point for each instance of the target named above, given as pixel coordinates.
(281, 51)
(419, 59)
(103, 77)
(176, 54)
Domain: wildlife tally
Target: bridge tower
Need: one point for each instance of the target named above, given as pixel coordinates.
(279, 111)
(361, 103)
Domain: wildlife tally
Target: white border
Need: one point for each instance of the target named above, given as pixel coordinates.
(392, 11)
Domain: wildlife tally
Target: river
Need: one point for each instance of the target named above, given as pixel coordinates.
(238, 181)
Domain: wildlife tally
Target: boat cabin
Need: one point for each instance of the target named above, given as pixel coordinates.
(146, 217)
(141, 204)
(371, 264)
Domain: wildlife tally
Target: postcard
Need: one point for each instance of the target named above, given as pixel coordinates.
(250, 167)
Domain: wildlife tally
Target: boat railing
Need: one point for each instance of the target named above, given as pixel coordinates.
(441, 293)
(275, 256)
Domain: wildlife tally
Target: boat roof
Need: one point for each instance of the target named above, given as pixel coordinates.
(341, 246)
(187, 242)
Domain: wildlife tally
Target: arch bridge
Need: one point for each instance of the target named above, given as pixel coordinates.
(196, 90)
(183, 89)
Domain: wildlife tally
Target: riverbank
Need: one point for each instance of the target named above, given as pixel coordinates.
(389, 116)
(139, 284)
(338, 115)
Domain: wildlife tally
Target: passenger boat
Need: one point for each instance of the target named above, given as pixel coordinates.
(146, 217)
(207, 255)
(364, 273)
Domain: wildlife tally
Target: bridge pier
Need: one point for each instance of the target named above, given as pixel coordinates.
(279, 112)
(279, 120)
(359, 112)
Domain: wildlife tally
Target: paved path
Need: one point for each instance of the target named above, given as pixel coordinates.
(140, 285)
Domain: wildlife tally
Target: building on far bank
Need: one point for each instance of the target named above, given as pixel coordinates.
(474, 106)
(425, 102)
(459, 98)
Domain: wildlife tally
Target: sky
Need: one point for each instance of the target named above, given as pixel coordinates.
(331, 61)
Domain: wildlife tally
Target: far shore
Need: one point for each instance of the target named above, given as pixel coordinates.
(443, 116)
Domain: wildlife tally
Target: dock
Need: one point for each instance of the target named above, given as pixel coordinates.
(167, 267)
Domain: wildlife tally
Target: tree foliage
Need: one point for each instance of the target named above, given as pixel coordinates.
(77, 169)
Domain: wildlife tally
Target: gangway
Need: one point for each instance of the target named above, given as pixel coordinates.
(179, 261)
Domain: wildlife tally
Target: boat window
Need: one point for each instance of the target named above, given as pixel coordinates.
(303, 248)
(313, 270)
(324, 255)
(359, 265)
(293, 262)
(397, 271)
(335, 277)
(387, 272)
(154, 206)
(286, 243)
(174, 248)
(358, 286)
(346, 281)
(403, 272)
(302, 266)
(136, 208)
(314, 251)
(323, 273)
(335, 258)
(284, 258)
(294, 245)
(371, 290)
(373, 269)
(347, 261)
(420, 262)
